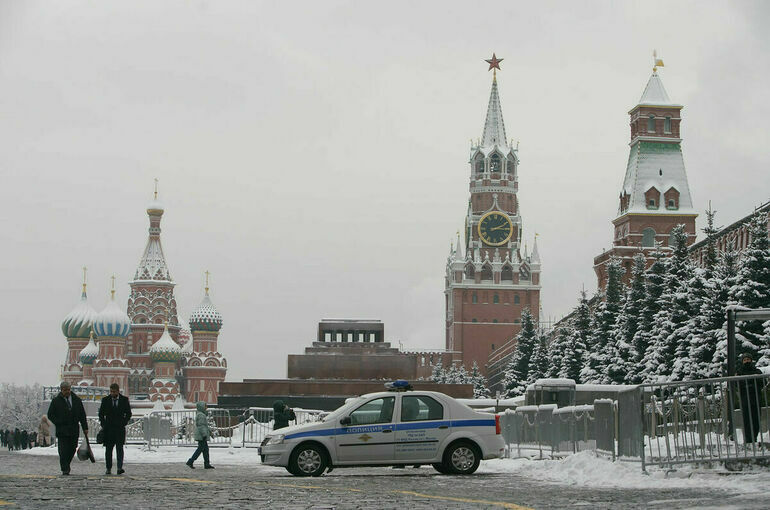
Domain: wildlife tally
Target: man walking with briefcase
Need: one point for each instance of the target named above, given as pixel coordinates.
(67, 413)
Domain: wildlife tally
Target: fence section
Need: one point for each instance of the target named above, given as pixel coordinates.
(711, 420)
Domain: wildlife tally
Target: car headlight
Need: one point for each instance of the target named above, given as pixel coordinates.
(277, 439)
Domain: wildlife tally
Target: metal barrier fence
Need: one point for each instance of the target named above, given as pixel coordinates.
(711, 420)
(724, 420)
(546, 430)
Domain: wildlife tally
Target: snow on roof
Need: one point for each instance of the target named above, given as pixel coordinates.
(655, 94)
(554, 382)
(660, 165)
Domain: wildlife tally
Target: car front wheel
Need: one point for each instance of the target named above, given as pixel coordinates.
(307, 460)
(462, 458)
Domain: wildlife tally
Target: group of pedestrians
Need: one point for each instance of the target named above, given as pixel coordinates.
(67, 414)
(18, 439)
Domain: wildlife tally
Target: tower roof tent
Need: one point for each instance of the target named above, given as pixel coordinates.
(655, 94)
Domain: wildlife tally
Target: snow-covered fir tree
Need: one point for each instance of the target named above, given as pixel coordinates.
(622, 369)
(480, 389)
(603, 326)
(438, 375)
(451, 374)
(655, 285)
(708, 350)
(579, 330)
(515, 381)
(21, 406)
(462, 376)
(538, 364)
(752, 290)
(557, 349)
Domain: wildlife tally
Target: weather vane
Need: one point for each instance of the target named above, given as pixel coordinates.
(494, 64)
(156, 189)
(656, 62)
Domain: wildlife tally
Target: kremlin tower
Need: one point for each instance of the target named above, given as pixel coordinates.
(489, 279)
(655, 196)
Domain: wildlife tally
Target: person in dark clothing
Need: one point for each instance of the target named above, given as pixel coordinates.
(17, 439)
(750, 392)
(114, 414)
(3, 437)
(68, 415)
(282, 414)
(10, 440)
(24, 440)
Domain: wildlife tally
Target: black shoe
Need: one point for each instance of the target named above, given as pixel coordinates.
(190, 464)
(208, 466)
(65, 473)
(108, 472)
(121, 471)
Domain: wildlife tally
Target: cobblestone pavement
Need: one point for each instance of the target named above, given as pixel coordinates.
(28, 481)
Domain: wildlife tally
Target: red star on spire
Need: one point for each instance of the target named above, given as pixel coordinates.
(494, 62)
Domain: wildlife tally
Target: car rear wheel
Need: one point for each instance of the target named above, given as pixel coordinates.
(307, 460)
(462, 458)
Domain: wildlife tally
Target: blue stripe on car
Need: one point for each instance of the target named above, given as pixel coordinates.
(360, 429)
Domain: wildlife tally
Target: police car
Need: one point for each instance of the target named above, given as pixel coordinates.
(390, 428)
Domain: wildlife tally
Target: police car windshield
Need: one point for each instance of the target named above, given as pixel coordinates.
(351, 402)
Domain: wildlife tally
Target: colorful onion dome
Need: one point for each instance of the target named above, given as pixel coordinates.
(89, 352)
(77, 323)
(165, 349)
(112, 321)
(205, 317)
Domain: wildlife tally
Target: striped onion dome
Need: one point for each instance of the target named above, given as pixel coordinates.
(77, 323)
(112, 321)
(165, 349)
(89, 352)
(205, 317)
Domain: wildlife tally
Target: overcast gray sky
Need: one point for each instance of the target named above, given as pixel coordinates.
(313, 155)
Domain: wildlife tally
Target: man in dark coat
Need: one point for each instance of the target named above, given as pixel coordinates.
(17, 439)
(282, 414)
(24, 440)
(67, 414)
(750, 391)
(10, 440)
(114, 414)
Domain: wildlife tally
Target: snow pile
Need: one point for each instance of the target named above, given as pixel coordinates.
(585, 469)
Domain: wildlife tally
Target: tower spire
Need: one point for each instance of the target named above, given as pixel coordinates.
(494, 127)
(84, 280)
(112, 290)
(207, 282)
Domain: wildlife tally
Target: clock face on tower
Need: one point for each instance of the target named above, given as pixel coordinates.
(495, 228)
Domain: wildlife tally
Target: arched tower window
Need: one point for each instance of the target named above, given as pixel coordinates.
(486, 272)
(495, 299)
(511, 166)
(495, 165)
(470, 273)
(479, 164)
(474, 298)
(648, 238)
(516, 299)
(507, 274)
(667, 125)
(651, 124)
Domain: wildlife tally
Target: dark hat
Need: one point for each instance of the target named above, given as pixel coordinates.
(746, 355)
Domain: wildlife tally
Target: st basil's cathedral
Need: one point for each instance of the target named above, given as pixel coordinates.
(144, 348)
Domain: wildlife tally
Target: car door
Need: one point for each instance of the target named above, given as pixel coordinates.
(368, 438)
(422, 428)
